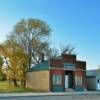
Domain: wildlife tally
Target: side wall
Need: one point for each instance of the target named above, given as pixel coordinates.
(91, 83)
(38, 80)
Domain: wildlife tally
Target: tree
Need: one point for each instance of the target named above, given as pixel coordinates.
(18, 61)
(57, 52)
(1, 64)
(23, 47)
(2, 75)
(68, 49)
(14, 58)
(32, 35)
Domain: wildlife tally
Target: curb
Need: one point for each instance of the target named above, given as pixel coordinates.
(46, 94)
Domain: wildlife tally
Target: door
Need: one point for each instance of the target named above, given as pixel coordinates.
(91, 83)
(66, 81)
(98, 84)
(69, 79)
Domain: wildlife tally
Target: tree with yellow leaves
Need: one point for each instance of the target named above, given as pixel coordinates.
(24, 46)
(32, 35)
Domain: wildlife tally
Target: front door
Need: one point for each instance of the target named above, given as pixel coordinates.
(66, 81)
(98, 84)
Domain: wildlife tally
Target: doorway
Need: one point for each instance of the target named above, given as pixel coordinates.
(98, 84)
(68, 79)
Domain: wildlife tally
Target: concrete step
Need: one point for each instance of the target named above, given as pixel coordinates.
(69, 90)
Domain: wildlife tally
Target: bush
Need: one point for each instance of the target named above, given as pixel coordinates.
(2, 77)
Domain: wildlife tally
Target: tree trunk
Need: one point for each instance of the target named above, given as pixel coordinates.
(23, 83)
(29, 64)
(15, 82)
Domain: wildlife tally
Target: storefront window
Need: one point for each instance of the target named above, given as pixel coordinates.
(57, 79)
(78, 80)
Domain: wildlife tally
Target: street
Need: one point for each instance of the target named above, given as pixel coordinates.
(55, 97)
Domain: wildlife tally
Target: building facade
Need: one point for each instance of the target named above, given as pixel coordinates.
(58, 74)
(93, 80)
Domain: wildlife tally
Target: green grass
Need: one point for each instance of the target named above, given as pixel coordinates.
(9, 88)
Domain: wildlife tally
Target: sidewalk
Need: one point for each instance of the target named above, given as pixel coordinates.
(47, 94)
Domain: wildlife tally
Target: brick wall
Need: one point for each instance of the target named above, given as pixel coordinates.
(69, 58)
(58, 63)
(81, 65)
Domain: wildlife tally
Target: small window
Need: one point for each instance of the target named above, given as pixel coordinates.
(57, 79)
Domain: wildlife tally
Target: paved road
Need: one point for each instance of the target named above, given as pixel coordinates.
(64, 97)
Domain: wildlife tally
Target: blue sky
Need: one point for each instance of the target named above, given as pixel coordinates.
(75, 22)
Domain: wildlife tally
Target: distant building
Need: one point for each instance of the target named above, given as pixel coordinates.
(58, 74)
(93, 80)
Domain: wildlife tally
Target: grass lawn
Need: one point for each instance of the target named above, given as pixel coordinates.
(5, 87)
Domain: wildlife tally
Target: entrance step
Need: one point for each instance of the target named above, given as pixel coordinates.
(69, 90)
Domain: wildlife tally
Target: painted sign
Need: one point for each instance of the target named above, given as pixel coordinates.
(69, 66)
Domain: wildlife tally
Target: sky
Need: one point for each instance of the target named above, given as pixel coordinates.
(74, 22)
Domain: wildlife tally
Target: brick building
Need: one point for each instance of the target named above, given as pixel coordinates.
(58, 74)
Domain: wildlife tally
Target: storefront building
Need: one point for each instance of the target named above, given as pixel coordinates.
(59, 74)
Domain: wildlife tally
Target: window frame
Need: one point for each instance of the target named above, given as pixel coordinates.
(57, 79)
